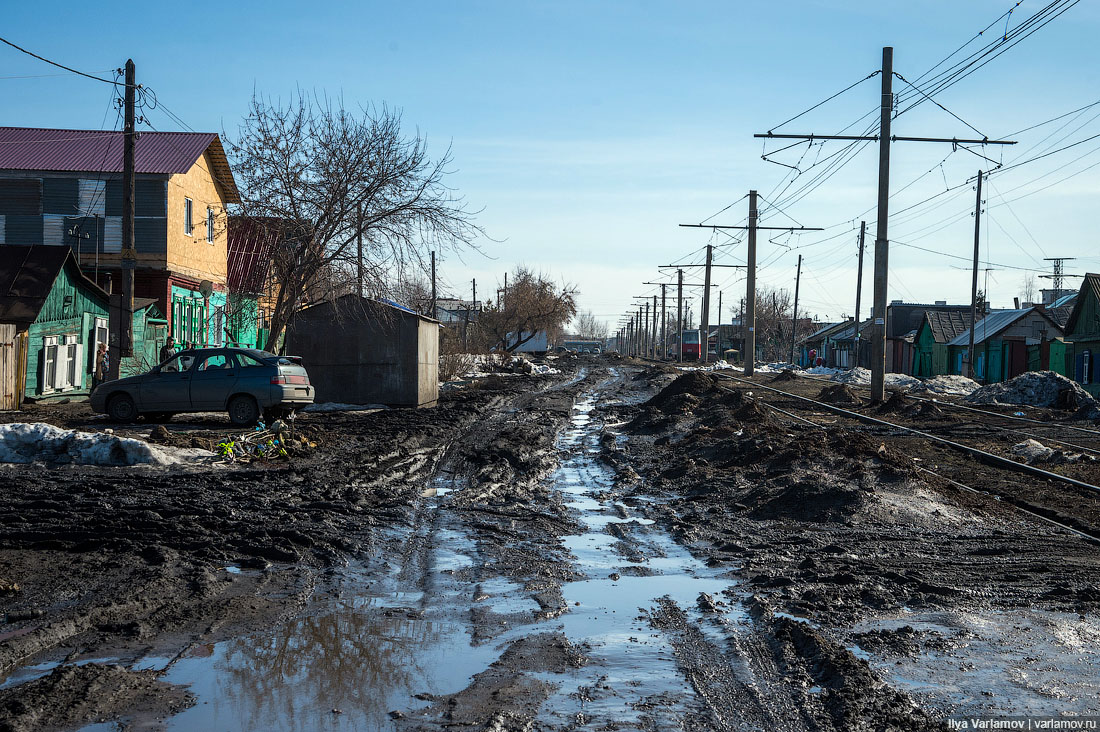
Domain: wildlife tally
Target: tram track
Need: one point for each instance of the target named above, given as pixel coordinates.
(992, 488)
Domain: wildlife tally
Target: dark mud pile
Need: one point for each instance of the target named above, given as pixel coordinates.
(834, 525)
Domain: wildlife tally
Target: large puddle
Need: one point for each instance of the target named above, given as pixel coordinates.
(632, 677)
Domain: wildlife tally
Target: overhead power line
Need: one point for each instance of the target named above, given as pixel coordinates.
(62, 66)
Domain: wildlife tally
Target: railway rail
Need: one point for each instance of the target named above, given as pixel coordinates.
(1044, 513)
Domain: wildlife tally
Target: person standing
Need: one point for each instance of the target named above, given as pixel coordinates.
(168, 349)
(102, 365)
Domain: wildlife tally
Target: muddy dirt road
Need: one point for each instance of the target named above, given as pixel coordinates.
(618, 547)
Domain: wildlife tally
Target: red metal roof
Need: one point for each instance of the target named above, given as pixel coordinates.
(97, 151)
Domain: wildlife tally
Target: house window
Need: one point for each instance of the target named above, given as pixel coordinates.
(188, 224)
(210, 225)
(62, 367)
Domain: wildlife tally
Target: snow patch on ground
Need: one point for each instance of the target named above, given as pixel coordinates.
(949, 384)
(716, 366)
(36, 442)
(341, 407)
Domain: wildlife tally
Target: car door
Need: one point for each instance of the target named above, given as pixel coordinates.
(167, 388)
(213, 380)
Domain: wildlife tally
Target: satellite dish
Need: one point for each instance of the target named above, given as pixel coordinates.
(206, 287)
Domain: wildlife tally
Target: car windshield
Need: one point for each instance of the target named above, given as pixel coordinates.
(182, 362)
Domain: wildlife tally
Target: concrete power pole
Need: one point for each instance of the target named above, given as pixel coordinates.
(882, 244)
(129, 256)
(664, 325)
(750, 291)
(680, 313)
(794, 317)
(645, 332)
(974, 279)
(653, 340)
(859, 290)
(718, 339)
(704, 338)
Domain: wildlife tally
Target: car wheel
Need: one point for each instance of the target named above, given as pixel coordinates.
(122, 408)
(243, 410)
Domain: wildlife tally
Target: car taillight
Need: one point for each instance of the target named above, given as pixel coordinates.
(290, 379)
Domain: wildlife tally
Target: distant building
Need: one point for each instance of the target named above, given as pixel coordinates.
(1003, 342)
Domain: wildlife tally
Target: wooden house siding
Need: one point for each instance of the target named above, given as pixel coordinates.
(192, 255)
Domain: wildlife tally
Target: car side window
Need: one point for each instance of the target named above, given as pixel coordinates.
(247, 361)
(176, 364)
(217, 361)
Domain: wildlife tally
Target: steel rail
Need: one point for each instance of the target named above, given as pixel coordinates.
(982, 455)
(999, 497)
(956, 405)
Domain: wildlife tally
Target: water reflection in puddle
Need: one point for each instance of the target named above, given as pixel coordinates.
(630, 564)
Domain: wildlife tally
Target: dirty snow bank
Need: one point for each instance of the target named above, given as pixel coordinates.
(946, 384)
(716, 366)
(37, 442)
(1039, 389)
(341, 407)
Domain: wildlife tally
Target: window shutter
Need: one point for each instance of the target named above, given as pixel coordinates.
(78, 366)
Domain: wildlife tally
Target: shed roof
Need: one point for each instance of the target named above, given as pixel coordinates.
(946, 324)
(27, 275)
(823, 331)
(100, 151)
(994, 323)
(348, 304)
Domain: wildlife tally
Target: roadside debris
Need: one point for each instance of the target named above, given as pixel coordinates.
(278, 442)
(37, 442)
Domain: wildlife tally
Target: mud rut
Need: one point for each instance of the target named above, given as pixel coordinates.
(534, 588)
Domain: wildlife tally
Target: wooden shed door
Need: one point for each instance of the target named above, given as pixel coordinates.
(1017, 358)
(9, 367)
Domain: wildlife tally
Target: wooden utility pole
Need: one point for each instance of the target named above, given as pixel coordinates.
(680, 313)
(434, 312)
(645, 332)
(359, 250)
(974, 279)
(704, 338)
(859, 290)
(794, 318)
(125, 328)
(749, 323)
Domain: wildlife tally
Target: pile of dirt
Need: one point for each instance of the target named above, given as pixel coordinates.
(696, 383)
(896, 404)
(1039, 389)
(785, 375)
(839, 394)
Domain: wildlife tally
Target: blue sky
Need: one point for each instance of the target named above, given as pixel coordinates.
(588, 130)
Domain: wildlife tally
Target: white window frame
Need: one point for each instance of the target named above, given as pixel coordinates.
(49, 364)
(188, 212)
(210, 224)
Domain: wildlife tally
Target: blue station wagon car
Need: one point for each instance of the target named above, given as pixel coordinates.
(244, 382)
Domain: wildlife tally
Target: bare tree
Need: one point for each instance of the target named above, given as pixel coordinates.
(1028, 289)
(326, 177)
(589, 328)
(532, 304)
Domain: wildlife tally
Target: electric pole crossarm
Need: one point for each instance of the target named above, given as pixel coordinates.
(757, 228)
(894, 138)
(679, 266)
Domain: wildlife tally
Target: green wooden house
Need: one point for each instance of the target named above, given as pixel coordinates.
(1083, 336)
(936, 329)
(60, 316)
(1001, 344)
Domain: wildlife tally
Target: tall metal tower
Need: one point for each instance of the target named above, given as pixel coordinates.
(1059, 274)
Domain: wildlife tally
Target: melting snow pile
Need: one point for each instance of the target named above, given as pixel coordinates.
(716, 366)
(859, 376)
(823, 371)
(950, 384)
(773, 368)
(38, 442)
(1039, 389)
(340, 407)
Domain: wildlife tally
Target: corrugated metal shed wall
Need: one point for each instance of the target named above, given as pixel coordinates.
(21, 196)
